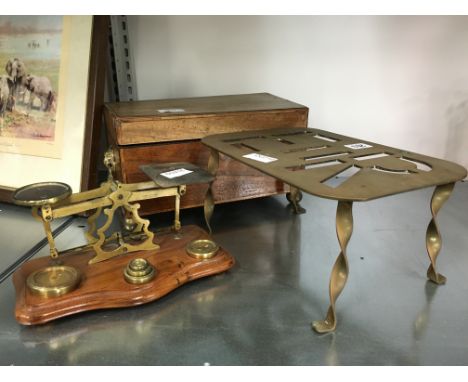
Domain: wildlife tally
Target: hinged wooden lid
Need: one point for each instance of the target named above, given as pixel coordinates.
(183, 107)
(193, 118)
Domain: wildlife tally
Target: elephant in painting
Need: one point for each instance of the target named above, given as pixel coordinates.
(16, 69)
(40, 87)
(6, 98)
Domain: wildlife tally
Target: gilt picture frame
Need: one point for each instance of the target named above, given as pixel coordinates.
(79, 99)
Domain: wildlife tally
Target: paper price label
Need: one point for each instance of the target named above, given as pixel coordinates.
(176, 173)
(358, 146)
(260, 157)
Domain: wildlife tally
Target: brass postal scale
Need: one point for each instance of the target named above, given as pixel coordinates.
(123, 268)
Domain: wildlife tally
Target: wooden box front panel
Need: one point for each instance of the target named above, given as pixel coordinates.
(141, 130)
(234, 181)
(143, 122)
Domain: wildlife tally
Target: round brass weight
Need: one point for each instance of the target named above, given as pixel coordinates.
(139, 271)
(202, 249)
(53, 281)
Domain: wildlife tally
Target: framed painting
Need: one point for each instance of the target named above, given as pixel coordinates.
(52, 71)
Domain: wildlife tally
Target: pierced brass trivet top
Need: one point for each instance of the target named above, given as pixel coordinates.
(334, 166)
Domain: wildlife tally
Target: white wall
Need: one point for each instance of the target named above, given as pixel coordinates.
(400, 81)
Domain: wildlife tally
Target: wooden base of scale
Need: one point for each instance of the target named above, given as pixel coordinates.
(103, 285)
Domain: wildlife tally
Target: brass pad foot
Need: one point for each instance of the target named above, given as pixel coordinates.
(436, 278)
(294, 197)
(327, 325)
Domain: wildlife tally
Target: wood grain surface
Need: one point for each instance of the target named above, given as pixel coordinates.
(202, 105)
(130, 131)
(193, 118)
(103, 285)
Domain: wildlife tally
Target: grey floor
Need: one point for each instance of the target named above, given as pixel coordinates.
(259, 312)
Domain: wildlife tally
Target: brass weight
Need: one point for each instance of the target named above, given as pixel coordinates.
(202, 249)
(53, 281)
(139, 271)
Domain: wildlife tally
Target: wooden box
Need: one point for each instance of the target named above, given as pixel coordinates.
(170, 130)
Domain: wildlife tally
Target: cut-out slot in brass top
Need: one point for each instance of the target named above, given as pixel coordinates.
(285, 141)
(371, 156)
(314, 148)
(391, 171)
(420, 165)
(323, 156)
(342, 176)
(245, 146)
(325, 138)
(243, 139)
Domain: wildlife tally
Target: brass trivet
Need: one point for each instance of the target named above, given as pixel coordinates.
(346, 169)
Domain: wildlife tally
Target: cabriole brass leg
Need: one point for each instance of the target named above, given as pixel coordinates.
(433, 239)
(294, 197)
(339, 275)
(208, 205)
